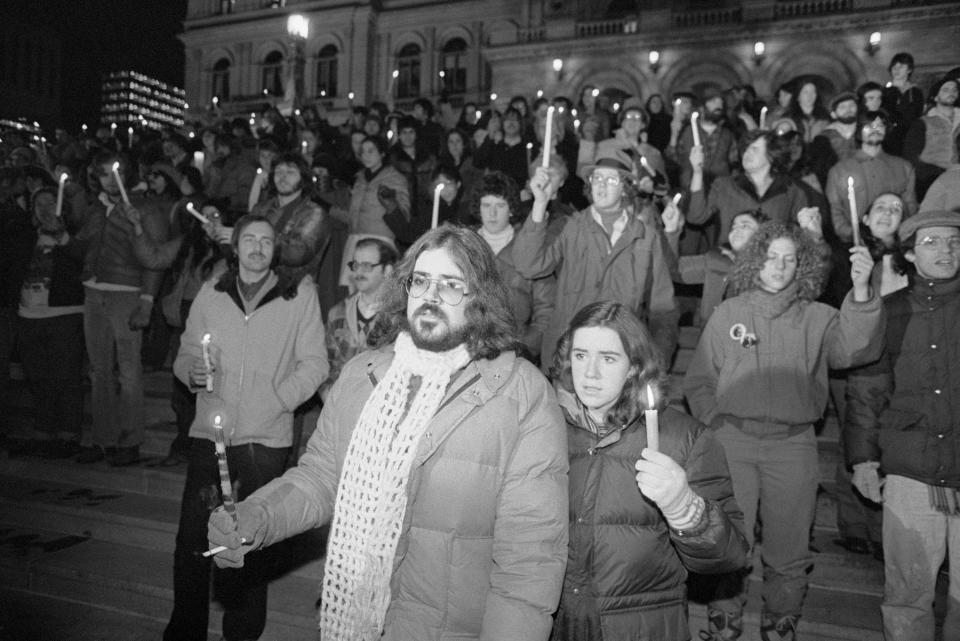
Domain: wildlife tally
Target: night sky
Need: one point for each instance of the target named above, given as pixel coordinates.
(99, 36)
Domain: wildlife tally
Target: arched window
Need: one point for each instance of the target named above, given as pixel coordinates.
(327, 72)
(221, 79)
(454, 65)
(408, 63)
(272, 74)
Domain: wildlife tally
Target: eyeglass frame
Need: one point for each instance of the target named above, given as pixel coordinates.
(952, 243)
(366, 267)
(610, 181)
(442, 287)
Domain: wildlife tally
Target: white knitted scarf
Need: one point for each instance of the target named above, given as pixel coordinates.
(371, 497)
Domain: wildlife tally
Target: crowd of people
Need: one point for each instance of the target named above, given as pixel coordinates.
(486, 304)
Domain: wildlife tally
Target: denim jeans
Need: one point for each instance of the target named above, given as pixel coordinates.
(243, 592)
(916, 539)
(51, 350)
(116, 374)
(776, 478)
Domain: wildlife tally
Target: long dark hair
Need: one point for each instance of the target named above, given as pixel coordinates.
(492, 325)
(638, 344)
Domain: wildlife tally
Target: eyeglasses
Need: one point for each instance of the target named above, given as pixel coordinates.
(363, 268)
(939, 242)
(450, 291)
(633, 116)
(609, 181)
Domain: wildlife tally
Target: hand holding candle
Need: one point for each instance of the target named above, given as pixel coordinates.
(123, 190)
(196, 214)
(652, 420)
(435, 218)
(205, 347)
(548, 137)
(854, 214)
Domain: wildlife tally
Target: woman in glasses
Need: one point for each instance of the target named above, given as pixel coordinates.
(350, 320)
(603, 252)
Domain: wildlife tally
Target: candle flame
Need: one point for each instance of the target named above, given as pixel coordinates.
(218, 422)
(529, 145)
(396, 73)
(63, 178)
(440, 187)
(677, 197)
(850, 182)
(116, 165)
(651, 401)
(206, 337)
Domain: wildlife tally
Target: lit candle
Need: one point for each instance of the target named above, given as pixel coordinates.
(123, 190)
(226, 488)
(129, 136)
(303, 148)
(198, 159)
(203, 219)
(255, 190)
(677, 197)
(646, 166)
(854, 215)
(652, 421)
(477, 115)
(113, 129)
(63, 180)
(205, 347)
(763, 118)
(694, 117)
(393, 78)
(435, 219)
(529, 151)
(548, 137)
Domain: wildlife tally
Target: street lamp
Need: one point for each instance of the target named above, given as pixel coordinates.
(298, 28)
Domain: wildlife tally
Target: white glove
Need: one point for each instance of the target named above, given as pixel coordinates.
(664, 482)
(866, 478)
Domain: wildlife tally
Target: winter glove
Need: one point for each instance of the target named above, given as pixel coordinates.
(240, 537)
(866, 478)
(664, 482)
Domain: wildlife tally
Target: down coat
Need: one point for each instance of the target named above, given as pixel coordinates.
(627, 569)
(484, 540)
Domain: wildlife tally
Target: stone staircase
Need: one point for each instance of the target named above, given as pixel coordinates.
(86, 550)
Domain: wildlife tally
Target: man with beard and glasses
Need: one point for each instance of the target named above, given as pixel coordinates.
(265, 357)
(874, 172)
(441, 461)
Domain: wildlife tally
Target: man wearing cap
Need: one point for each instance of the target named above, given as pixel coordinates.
(930, 143)
(874, 172)
(837, 141)
(605, 252)
(903, 437)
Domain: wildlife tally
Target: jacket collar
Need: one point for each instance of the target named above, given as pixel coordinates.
(779, 185)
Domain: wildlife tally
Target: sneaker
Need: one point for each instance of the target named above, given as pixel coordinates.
(125, 456)
(722, 626)
(91, 454)
(782, 629)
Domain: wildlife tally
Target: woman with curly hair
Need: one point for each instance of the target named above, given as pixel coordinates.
(759, 378)
(629, 552)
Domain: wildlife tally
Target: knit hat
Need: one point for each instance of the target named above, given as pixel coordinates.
(915, 223)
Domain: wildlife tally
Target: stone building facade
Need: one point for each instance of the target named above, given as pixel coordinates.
(239, 51)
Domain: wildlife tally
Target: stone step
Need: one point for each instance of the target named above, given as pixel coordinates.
(98, 574)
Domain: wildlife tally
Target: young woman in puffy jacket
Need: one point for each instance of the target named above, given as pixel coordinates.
(641, 515)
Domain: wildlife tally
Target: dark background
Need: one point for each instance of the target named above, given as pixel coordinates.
(99, 36)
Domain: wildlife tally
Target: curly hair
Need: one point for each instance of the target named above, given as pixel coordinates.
(492, 326)
(638, 344)
(498, 184)
(812, 267)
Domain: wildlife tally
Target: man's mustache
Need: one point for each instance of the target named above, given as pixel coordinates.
(430, 307)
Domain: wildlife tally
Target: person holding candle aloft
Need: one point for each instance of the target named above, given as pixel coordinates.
(759, 378)
(118, 302)
(640, 519)
(267, 356)
(603, 252)
(874, 172)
